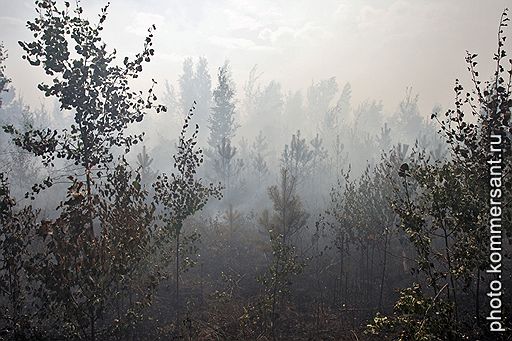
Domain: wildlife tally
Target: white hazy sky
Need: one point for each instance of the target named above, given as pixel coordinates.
(380, 47)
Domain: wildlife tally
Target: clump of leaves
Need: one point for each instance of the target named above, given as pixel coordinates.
(4, 81)
(441, 204)
(180, 195)
(416, 317)
(90, 258)
(283, 226)
(17, 230)
(99, 287)
(89, 84)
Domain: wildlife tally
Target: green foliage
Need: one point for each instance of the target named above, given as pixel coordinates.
(89, 272)
(283, 227)
(4, 81)
(99, 265)
(442, 207)
(180, 196)
(97, 287)
(297, 157)
(144, 162)
(416, 317)
(222, 120)
(17, 231)
(258, 154)
(227, 167)
(85, 80)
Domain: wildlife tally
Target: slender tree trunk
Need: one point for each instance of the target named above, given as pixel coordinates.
(361, 276)
(277, 276)
(372, 277)
(347, 273)
(202, 286)
(177, 297)
(88, 184)
(278, 279)
(383, 276)
(452, 282)
(477, 298)
(93, 331)
(341, 272)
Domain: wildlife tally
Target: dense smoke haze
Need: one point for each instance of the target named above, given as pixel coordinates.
(379, 47)
(242, 170)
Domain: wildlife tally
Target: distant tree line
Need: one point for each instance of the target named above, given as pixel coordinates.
(331, 221)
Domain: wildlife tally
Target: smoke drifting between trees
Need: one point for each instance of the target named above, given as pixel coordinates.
(260, 214)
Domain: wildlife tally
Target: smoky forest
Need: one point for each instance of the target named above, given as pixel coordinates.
(136, 207)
